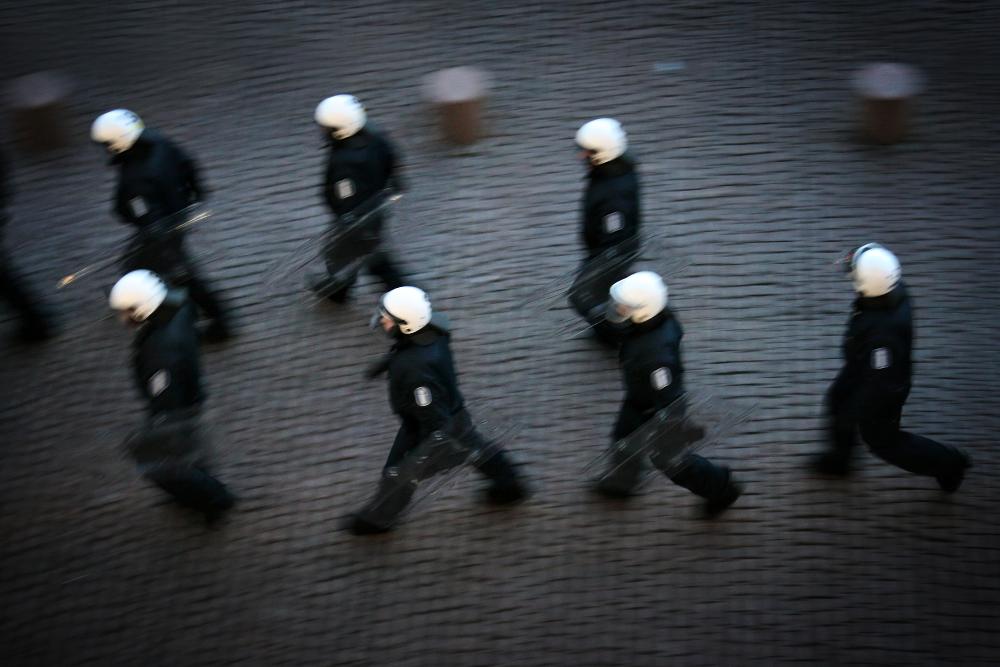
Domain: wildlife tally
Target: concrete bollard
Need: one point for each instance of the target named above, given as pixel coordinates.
(459, 94)
(39, 105)
(886, 90)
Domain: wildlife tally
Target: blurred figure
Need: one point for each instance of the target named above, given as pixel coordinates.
(869, 392)
(423, 392)
(653, 376)
(610, 214)
(169, 448)
(34, 326)
(157, 182)
(362, 167)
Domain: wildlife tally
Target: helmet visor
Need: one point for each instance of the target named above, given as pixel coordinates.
(376, 321)
(847, 260)
(382, 313)
(617, 312)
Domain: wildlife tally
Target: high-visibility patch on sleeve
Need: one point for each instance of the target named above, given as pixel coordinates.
(422, 396)
(881, 358)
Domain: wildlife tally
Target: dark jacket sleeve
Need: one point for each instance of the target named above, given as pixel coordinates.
(5, 187)
(652, 384)
(167, 379)
(394, 169)
(5, 192)
(190, 174)
(126, 213)
(419, 400)
(872, 373)
(610, 217)
(329, 186)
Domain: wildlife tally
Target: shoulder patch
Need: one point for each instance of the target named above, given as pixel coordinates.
(881, 358)
(422, 396)
(138, 206)
(345, 188)
(660, 378)
(158, 382)
(613, 222)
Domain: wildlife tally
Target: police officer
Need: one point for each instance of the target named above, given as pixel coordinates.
(361, 167)
(169, 448)
(34, 325)
(157, 181)
(869, 392)
(423, 392)
(610, 214)
(653, 375)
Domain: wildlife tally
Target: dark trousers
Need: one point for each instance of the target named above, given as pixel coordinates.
(694, 473)
(877, 419)
(171, 450)
(355, 245)
(413, 459)
(495, 466)
(17, 296)
(379, 264)
(167, 257)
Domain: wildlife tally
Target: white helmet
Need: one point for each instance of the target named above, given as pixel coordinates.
(875, 270)
(639, 297)
(117, 130)
(139, 293)
(604, 138)
(408, 307)
(343, 114)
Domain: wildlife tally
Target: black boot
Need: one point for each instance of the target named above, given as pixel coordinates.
(506, 493)
(356, 524)
(717, 505)
(383, 511)
(830, 463)
(949, 483)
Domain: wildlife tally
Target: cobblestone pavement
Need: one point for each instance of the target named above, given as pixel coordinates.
(742, 117)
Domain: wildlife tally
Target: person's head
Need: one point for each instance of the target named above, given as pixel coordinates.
(340, 116)
(137, 295)
(601, 140)
(874, 270)
(117, 130)
(638, 298)
(404, 310)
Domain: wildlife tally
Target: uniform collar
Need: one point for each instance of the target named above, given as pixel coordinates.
(359, 139)
(161, 316)
(437, 328)
(138, 150)
(620, 165)
(654, 322)
(885, 302)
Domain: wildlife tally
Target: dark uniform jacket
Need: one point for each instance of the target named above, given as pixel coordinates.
(165, 358)
(610, 205)
(423, 385)
(650, 357)
(5, 194)
(877, 348)
(358, 168)
(156, 179)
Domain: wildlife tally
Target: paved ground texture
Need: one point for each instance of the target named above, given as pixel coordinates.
(742, 117)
